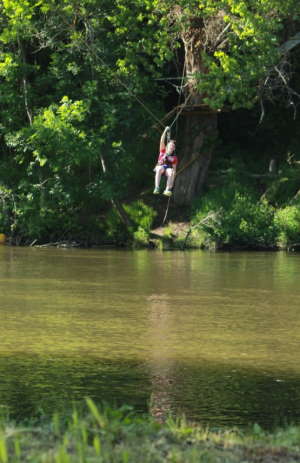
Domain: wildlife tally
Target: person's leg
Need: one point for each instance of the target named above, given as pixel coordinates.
(159, 170)
(170, 173)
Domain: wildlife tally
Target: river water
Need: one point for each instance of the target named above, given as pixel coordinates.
(215, 336)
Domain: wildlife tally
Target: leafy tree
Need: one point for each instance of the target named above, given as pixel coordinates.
(79, 86)
(67, 116)
(227, 49)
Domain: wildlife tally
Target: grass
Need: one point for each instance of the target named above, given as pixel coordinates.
(119, 436)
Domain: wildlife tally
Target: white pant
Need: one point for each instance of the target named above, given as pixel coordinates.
(169, 172)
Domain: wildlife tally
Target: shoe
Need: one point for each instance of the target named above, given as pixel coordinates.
(167, 193)
(156, 191)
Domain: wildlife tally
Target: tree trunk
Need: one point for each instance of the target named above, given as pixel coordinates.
(196, 153)
(115, 203)
(200, 124)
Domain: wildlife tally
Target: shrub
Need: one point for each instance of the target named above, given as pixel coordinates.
(6, 209)
(287, 220)
(238, 219)
(284, 186)
(30, 214)
(112, 227)
(141, 217)
(140, 237)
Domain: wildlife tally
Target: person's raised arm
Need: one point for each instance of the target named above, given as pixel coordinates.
(162, 144)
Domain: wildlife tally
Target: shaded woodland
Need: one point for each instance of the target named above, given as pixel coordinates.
(87, 88)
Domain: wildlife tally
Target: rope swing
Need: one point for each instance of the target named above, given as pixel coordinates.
(159, 122)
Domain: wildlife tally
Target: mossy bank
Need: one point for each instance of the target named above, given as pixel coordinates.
(118, 435)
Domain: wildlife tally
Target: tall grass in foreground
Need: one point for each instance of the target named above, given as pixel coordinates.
(117, 435)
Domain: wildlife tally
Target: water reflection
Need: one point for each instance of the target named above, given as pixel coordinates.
(215, 336)
(161, 364)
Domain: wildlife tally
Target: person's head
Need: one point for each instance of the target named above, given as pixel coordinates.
(171, 146)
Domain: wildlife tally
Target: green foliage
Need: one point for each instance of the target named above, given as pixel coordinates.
(74, 134)
(141, 217)
(28, 215)
(103, 434)
(140, 214)
(6, 209)
(287, 220)
(241, 42)
(237, 219)
(54, 138)
(66, 120)
(250, 223)
(114, 228)
(281, 189)
(241, 205)
(140, 237)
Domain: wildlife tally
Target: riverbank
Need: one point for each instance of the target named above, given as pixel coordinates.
(228, 219)
(118, 435)
(244, 224)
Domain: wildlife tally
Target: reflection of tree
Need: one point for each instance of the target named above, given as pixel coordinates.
(34, 384)
(161, 362)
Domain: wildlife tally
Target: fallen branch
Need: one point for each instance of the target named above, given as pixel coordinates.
(212, 216)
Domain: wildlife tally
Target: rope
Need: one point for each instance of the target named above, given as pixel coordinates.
(179, 96)
(188, 164)
(167, 210)
(139, 100)
(178, 173)
(176, 120)
(182, 108)
(169, 78)
(180, 92)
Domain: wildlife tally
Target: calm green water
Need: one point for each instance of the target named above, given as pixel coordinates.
(216, 336)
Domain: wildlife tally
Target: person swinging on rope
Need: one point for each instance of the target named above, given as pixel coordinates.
(166, 163)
